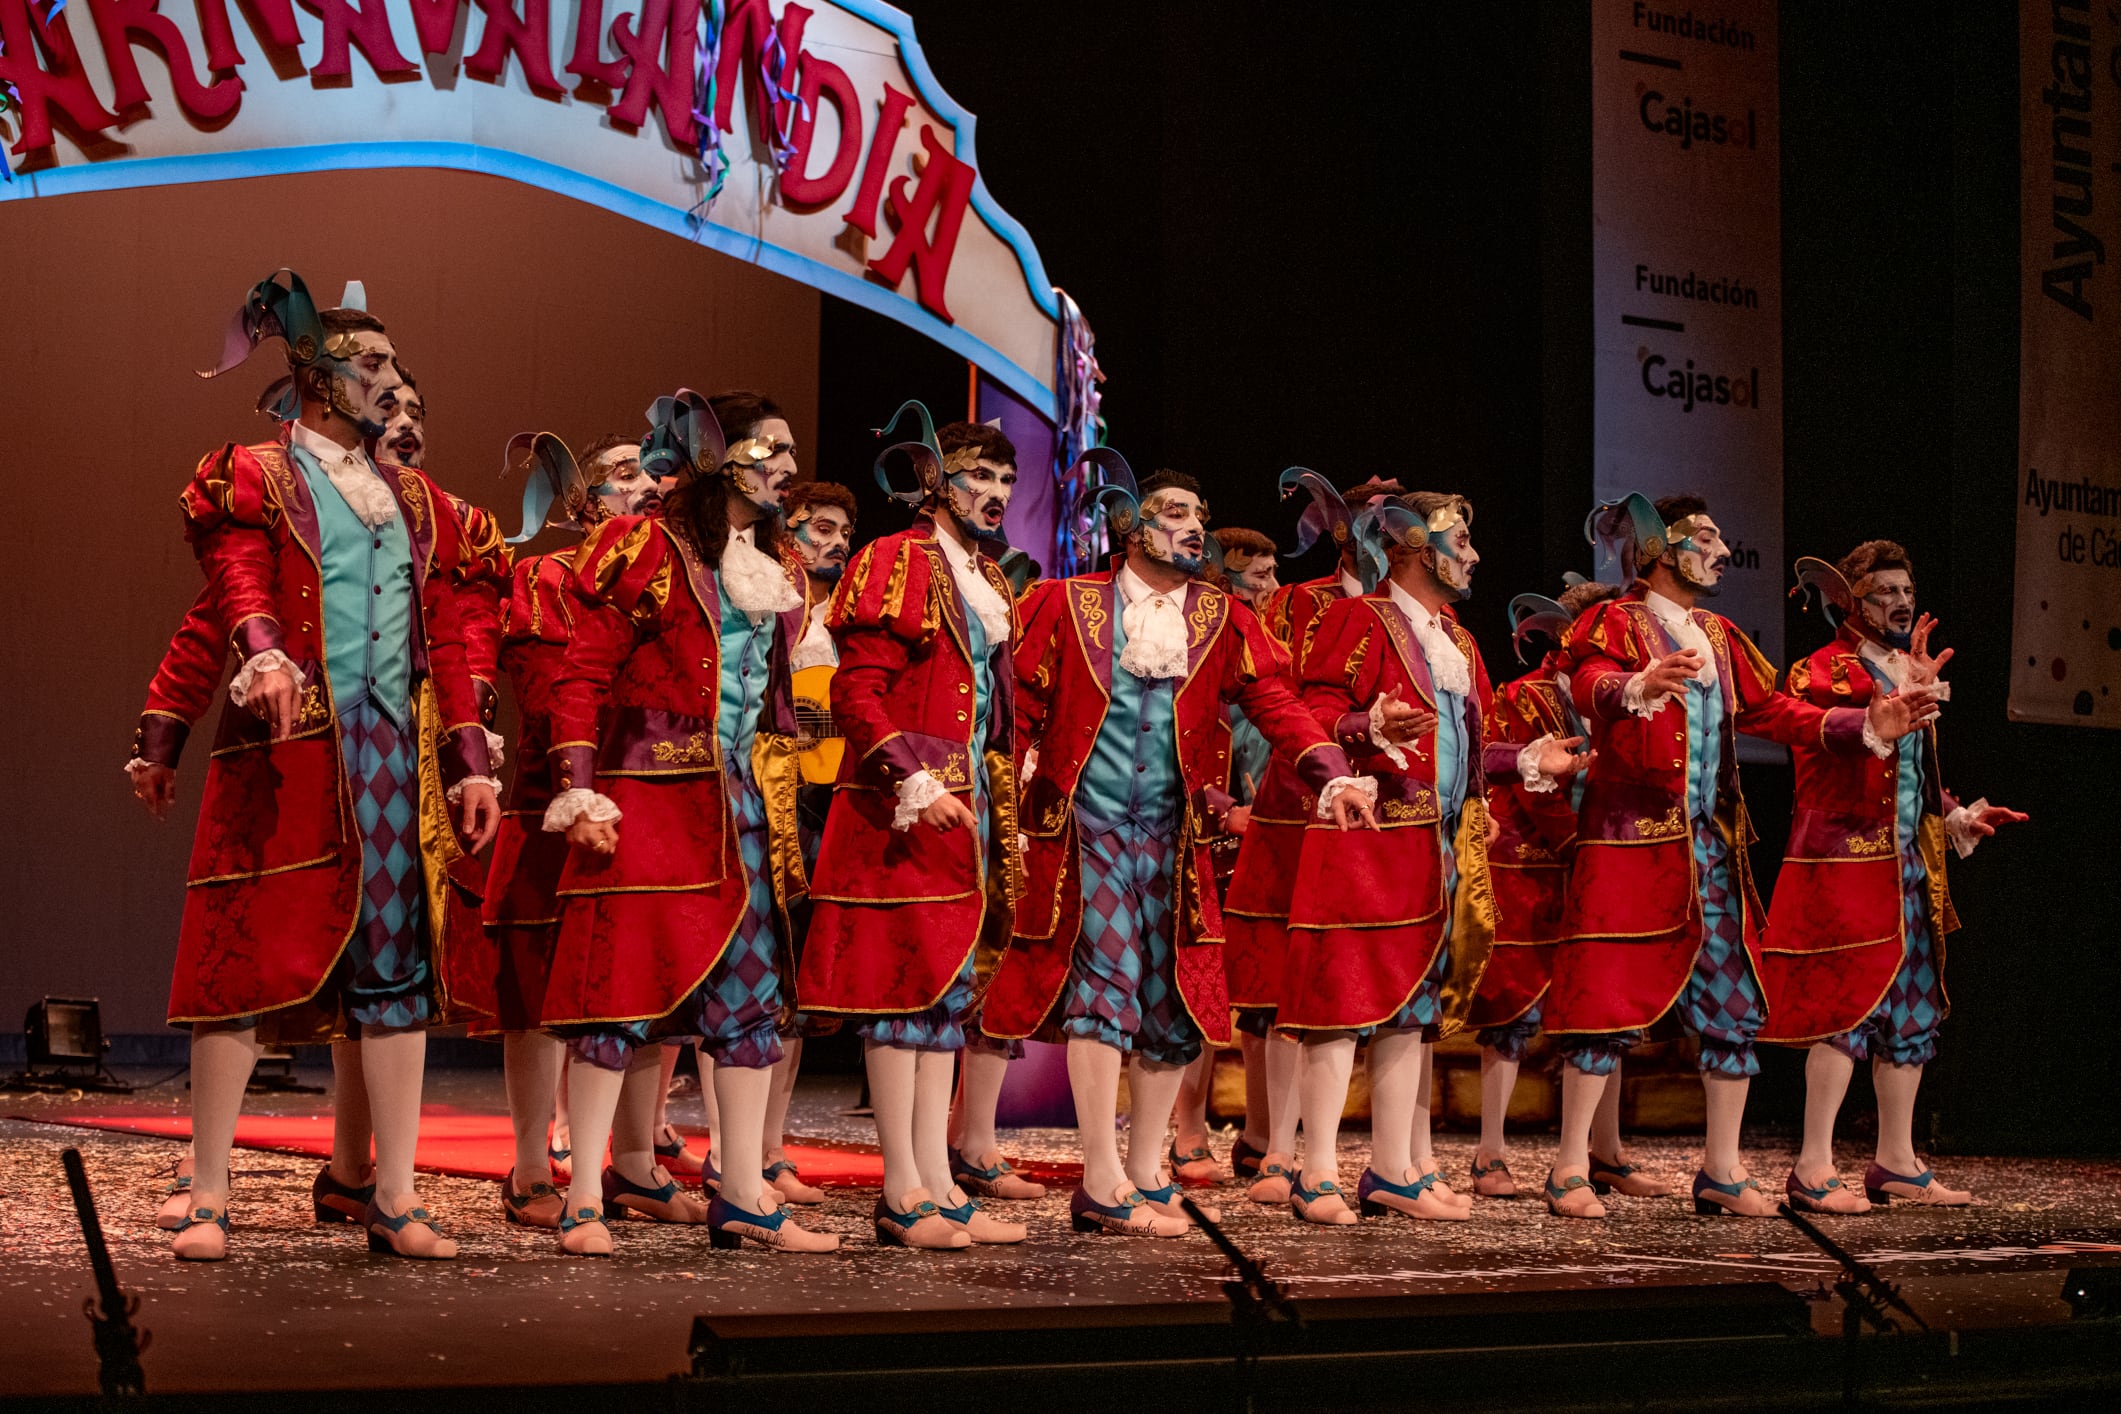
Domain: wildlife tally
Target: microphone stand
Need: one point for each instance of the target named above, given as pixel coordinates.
(118, 1345)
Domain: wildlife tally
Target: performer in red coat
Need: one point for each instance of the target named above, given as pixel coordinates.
(673, 679)
(319, 845)
(1256, 908)
(1528, 862)
(183, 689)
(1249, 565)
(1122, 678)
(1389, 932)
(1662, 915)
(917, 873)
(521, 910)
(1855, 962)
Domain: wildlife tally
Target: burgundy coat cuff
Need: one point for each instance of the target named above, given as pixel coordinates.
(1500, 761)
(489, 700)
(573, 765)
(257, 634)
(1352, 731)
(159, 739)
(891, 761)
(464, 754)
(1322, 764)
(1842, 731)
(1607, 697)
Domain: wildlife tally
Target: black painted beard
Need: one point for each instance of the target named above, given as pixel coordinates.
(997, 535)
(828, 569)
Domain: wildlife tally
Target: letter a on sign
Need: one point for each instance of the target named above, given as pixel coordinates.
(944, 192)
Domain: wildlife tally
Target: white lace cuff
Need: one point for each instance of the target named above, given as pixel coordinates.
(1959, 827)
(1879, 746)
(496, 752)
(915, 794)
(1635, 697)
(1364, 786)
(134, 767)
(1377, 737)
(1536, 780)
(571, 805)
(455, 794)
(1030, 767)
(270, 661)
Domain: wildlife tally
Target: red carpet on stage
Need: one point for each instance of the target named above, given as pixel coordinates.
(475, 1144)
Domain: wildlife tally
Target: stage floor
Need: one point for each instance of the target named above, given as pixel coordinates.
(306, 1306)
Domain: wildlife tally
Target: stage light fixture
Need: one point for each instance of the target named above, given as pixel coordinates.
(64, 1045)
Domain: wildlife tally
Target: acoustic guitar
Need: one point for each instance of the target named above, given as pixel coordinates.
(818, 741)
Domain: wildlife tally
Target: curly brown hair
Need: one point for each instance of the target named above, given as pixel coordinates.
(1871, 556)
(1578, 597)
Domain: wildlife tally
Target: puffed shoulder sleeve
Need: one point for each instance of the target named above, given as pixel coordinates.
(888, 588)
(626, 564)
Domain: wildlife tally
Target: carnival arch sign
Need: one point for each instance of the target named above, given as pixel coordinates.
(812, 140)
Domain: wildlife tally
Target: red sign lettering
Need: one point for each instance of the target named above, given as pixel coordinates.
(121, 24)
(528, 35)
(57, 83)
(366, 26)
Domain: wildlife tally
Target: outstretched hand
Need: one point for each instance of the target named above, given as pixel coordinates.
(1982, 820)
(1922, 668)
(1559, 760)
(1896, 714)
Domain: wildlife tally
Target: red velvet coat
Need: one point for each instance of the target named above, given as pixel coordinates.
(1529, 860)
(520, 910)
(1064, 667)
(633, 713)
(1837, 930)
(1256, 910)
(895, 913)
(1368, 912)
(1634, 914)
(274, 884)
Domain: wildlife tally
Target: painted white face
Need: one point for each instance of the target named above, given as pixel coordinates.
(980, 495)
(361, 373)
(762, 465)
(824, 540)
(405, 435)
(618, 481)
(1453, 559)
(1256, 580)
(1888, 605)
(1174, 529)
(1702, 557)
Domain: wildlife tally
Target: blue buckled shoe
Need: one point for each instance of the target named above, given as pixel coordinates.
(1376, 1196)
(1325, 1205)
(729, 1227)
(1745, 1198)
(1130, 1216)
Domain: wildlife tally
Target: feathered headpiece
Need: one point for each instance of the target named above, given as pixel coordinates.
(272, 310)
(1389, 520)
(555, 478)
(1328, 515)
(1118, 499)
(684, 438)
(1836, 600)
(910, 445)
(1627, 534)
(1536, 614)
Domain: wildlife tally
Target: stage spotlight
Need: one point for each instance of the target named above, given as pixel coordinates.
(63, 1042)
(2093, 1293)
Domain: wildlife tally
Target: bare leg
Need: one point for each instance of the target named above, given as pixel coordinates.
(1896, 1086)
(634, 1123)
(784, 1074)
(1498, 1081)
(978, 1099)
(1153, 1088)
(1093, 1077)
(893, 1077)
(531, 1062)
(1581, 1096)
(1258, 1107)
(1395, 1060)
(394, 1065)
(1605, 1121)
(353, 1131)
(1826, 1083)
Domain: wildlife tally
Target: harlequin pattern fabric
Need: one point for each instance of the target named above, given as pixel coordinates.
(1120, 987)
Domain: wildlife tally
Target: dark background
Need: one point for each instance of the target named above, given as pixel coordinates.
(1359, 238)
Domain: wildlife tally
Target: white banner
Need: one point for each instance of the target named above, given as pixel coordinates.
(2066, 619)
(1686, 283)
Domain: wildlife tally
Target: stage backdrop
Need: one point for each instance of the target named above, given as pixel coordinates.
(517, 309)
(2066, 622)
(1686, 279)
